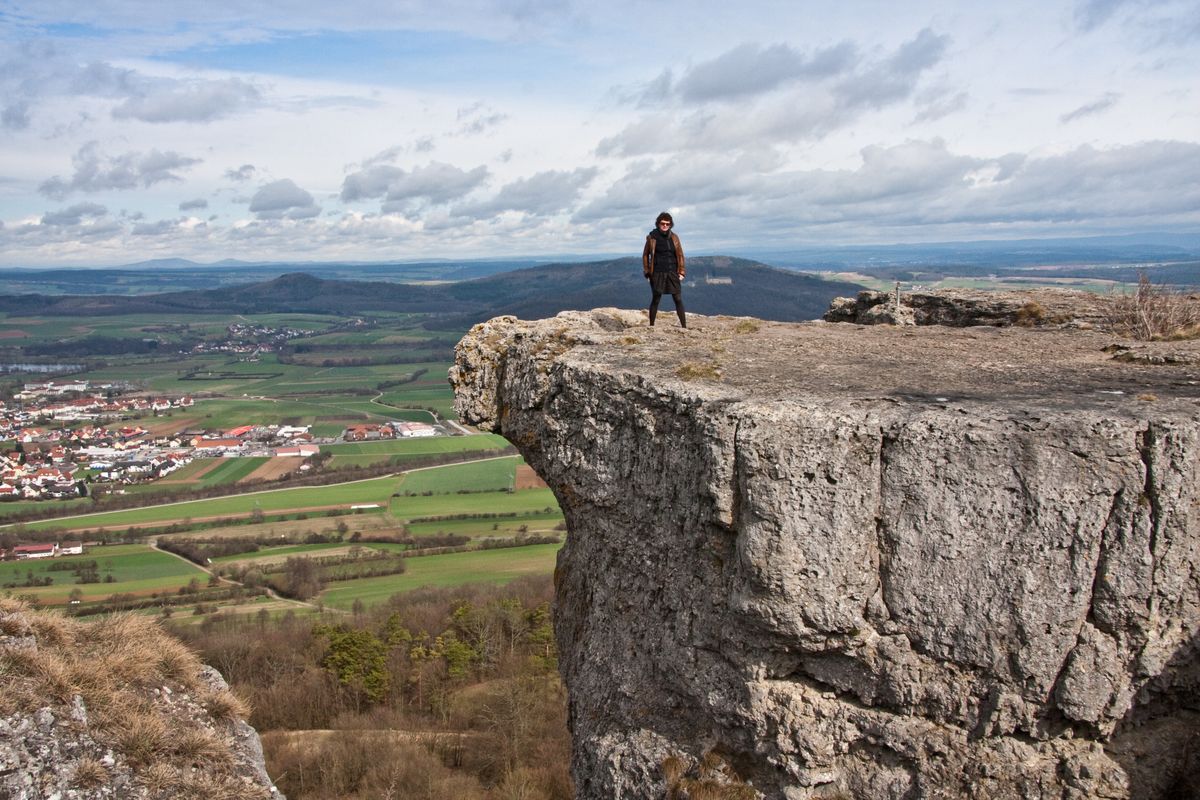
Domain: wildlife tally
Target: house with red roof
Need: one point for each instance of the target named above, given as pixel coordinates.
(23, 551)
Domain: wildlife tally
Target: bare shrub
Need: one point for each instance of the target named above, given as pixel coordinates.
(1155, 312)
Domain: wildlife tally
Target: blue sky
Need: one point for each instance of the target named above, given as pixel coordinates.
(401, 130)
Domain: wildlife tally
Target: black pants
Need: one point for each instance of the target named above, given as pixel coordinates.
(677, 297)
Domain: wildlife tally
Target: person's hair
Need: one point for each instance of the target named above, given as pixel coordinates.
(664, 216)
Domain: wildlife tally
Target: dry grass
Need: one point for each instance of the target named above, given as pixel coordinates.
(143, 739)
(1155, 313)
(225, 706)
(692, 371)
(200, 747)
(143, 692)
(89, 774)
(1030, 314)
(710, 779)
(747, 326)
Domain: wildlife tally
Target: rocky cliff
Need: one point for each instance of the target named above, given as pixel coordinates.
(831, 561)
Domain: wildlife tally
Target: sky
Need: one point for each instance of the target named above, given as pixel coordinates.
(381, 130)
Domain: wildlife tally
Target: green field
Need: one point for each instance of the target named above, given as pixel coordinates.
(232, 470)
(422, 446)
(451, 569)
(135, 568)
(267, 391)
(480, 528)
(374, 490)
(523, 502)
(400, 451)
(285, 550)
(497, 475)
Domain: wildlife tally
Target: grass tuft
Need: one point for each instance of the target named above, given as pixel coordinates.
(692, 371)
(89, 774)
(225, 706)
(747, 326)
(1030, 314)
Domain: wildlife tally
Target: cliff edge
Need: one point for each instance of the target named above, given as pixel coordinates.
(826, 561)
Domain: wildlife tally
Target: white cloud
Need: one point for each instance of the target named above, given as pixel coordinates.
(402, 190)
(190, 101)
(243, 173)
(1088, 109)
(770, 121)
(753, 69)
(74, 215)
(283, 199)
(542, 194)
(784, 97)
(95, 172)
(920, 186)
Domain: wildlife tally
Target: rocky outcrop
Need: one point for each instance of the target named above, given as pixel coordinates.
(1057, 308)
(117, 709)
(822, 561)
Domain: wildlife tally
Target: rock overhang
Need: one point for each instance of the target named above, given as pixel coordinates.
(824, 530)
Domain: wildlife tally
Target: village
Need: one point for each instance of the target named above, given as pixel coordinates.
(68, 435)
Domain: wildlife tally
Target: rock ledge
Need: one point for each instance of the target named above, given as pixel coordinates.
(877, 562)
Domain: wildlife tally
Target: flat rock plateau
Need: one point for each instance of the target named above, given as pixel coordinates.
(828, 560)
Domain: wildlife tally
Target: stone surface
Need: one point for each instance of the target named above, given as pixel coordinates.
(869, 562)
(1040, 308)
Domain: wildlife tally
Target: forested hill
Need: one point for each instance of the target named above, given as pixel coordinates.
(715, 285)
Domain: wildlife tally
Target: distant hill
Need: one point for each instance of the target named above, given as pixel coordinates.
(715, 285)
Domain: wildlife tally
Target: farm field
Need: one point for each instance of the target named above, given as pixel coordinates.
(374, 490)
(312, 498)
(387, 368)
(450, 569)
(537, 523)
(363, 521)
(274, 609)
(277, 555)
(421, 446)
(136, 569)
(496, 475)
(523, 502)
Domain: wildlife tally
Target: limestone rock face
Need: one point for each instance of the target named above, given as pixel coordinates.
(829, 561)
(1057, 308)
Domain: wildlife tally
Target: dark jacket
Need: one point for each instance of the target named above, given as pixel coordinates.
(648, 254)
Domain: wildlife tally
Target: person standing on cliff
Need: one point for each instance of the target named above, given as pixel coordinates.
(663, 266)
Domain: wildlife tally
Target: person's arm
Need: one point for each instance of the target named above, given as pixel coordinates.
(682, 270)
(648, 257)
